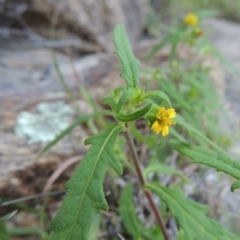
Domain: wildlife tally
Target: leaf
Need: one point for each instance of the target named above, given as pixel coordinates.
(85, 192)
(208, 13)
(130, 218)
(125, 97)
(177, 135)
(180, 121)
(191, 215)
(218, 160)
(88, 97)
(158, 94)
(69, 129)
(171, 90)
(158, 47)
(235, 186)
(158, 167)
(222, 57)
(135, 115)
(3, 231)
(110, 101)
(175, 38)
(20, 231)
(130, 64)
(150, 140)
(128, 212)
(201, 82)
(93, 232)
(64, 83)
(182, 235)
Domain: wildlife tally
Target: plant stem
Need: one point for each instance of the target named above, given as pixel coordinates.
(142, 181)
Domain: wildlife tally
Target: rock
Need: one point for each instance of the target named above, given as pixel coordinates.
(225, 35)
(34, 77)
(95, 20)
(29, 81)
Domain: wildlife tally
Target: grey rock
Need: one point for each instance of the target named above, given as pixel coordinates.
(95, 20)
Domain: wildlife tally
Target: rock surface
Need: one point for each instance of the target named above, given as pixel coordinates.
(95, 20)
(26, 84)
(225, 35)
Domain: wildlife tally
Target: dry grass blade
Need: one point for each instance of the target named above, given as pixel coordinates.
(24, 199)
(59, 171)
(120, 236)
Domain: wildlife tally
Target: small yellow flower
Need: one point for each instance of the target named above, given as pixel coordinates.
(163, 121)
(191, 20)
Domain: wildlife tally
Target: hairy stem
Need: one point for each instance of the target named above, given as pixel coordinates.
(142, 181)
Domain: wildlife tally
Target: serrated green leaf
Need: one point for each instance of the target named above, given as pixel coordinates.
(218, 160)
(125, 97)
(85, 192)
(130, 219)
(235, 186)
(135, 115)
(190, 215)
(69, 129)
(130, 64)
(110, 101)
(158, 94)
(157, 167)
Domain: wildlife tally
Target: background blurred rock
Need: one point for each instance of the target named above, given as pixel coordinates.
(96, 20)
(87, 20)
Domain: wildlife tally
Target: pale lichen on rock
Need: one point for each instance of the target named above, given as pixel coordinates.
(44, 125)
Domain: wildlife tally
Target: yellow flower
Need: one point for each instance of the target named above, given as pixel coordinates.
(191, 20)
(163, 121)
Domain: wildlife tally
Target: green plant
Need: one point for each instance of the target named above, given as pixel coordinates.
(85, 194)
(228, 9)
(187, 77)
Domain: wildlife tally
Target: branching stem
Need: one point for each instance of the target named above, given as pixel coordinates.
(142, 181)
